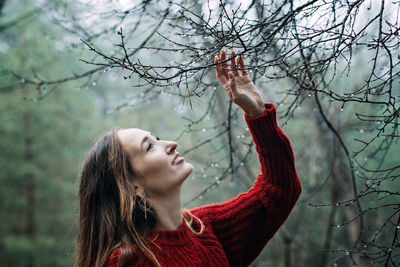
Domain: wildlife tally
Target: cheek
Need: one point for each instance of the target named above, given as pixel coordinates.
(153, 168)
(154, 164)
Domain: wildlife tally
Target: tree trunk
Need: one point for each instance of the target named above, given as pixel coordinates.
(30, 180)
(334, 198)
(2, 2)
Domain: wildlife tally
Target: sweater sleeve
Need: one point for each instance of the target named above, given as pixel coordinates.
(245, 224)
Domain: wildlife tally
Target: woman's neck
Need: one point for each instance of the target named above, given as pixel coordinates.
(168, 211)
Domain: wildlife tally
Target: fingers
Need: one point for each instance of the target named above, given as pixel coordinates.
(224, 64)
(241, 66)
(222, 69)
(234, 67)
(223, 58)
(217, 68)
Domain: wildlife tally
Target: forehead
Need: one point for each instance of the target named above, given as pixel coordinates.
(131, 138)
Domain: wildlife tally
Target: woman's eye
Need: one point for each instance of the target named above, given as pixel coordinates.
(150, 146)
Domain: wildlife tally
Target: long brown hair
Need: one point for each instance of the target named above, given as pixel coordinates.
(110, 216)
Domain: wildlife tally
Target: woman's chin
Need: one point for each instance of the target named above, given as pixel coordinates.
(186, 171)
(189, 166)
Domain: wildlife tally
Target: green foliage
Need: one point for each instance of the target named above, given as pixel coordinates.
(57, 131)
(59, 139)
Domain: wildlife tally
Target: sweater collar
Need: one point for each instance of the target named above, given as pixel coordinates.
(176, 237)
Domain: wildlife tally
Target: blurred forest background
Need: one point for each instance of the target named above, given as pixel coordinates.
(71, 70)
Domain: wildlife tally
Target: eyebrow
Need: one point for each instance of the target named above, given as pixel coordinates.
(143, 141)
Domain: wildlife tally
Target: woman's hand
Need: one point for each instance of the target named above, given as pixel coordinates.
(239, 87)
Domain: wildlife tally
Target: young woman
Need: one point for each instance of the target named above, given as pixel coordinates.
(130, 195)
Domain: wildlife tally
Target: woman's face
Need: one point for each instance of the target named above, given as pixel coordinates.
(158, 166)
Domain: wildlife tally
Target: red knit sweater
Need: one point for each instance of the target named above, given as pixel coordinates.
(236, 230)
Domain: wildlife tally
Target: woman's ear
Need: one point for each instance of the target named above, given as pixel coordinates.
(139, 190)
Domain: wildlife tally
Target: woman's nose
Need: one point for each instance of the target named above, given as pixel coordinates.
(171, 146)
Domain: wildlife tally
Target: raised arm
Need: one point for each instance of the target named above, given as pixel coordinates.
(245, 224)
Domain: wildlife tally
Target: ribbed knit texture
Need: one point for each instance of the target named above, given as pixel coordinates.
(236, 230)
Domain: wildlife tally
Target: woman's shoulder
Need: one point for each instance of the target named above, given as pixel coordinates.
(116, 255)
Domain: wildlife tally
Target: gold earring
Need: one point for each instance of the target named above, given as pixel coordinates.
(143, 206)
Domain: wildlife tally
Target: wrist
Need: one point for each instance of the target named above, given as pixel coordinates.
(255, 113)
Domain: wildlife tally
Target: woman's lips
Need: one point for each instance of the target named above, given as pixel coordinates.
(179, 160)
